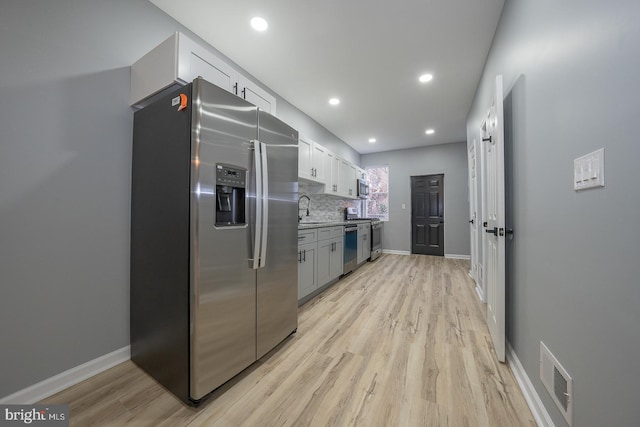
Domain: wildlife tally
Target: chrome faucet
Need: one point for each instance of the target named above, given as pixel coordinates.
(304, 196)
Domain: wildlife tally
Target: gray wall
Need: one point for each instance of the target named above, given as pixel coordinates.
(450, 159)
(572, 85)
(65, 168)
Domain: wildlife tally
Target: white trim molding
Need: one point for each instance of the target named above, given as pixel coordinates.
(530, 394)
(392, 251)
(455, 256)
(63, 380)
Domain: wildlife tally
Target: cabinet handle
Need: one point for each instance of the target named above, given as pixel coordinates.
(244, 93)
(304, 255)
(299, 256)
(235, 88)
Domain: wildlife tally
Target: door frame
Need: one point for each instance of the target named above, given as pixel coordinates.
(473, 210)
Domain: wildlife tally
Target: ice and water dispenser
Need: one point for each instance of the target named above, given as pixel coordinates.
(230, 195)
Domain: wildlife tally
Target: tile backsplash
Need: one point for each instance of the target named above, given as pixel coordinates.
(323, 207)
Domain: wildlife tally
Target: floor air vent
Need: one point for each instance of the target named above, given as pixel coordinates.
(557, 381)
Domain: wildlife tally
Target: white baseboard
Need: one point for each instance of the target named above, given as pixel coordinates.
(391, 251)
(480, 293)
(451, 256)
(50, 386)
(454, 256)
(530, 394)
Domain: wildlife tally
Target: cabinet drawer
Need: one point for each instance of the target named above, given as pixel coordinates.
(330, 232)
(307, 236)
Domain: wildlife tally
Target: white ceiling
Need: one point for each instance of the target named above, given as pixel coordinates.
(368, 53)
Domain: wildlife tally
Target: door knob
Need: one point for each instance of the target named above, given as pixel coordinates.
(493, 231)
(484, 224)
(471, 221)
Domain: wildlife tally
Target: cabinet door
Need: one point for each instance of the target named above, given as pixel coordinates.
(351, 192)
(344, 178)
(199, 63)
(326, 248)
(253, 93)
(347, 180)
(361, 174)
(306, 269)
(334, 184)
(337, 261)
(366, 250)
(318, 162)
(304, 158)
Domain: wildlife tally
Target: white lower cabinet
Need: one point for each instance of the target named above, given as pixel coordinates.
(330, 260)
(320, 258)
(364, 242)
(307, 262)
(307, 255)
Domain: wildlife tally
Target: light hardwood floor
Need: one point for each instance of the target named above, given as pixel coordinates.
(400, 342)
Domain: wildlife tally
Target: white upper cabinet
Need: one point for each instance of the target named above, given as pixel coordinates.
(333, 183)
(177, 61)
(313, 161)
(305, 148)
(325, 171)
(348, 180)
(319, 162)
(362, 174)
(256, 95)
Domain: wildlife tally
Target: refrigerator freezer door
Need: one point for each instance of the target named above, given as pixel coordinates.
(277, 289)
(223, 286)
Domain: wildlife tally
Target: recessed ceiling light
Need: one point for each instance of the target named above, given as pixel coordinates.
(425, 78)
(372, 140)
(429, 131)
(259, 24)
(334, 101)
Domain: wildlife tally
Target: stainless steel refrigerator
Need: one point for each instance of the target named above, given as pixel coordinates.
(213, 237)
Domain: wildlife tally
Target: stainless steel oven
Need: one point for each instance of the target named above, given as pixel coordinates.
(376, 239)
(363, 189)
(350, 247)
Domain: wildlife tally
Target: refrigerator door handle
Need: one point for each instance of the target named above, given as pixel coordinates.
(265, 204)
(255, 262)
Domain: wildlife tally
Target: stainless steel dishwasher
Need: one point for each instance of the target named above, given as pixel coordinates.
(350, 248)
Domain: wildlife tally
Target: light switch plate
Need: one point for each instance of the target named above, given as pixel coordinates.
(588, 170)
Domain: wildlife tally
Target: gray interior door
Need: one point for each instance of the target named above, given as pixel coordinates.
(427, 215)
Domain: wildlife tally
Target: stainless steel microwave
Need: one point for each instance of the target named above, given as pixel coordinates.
(363, 189)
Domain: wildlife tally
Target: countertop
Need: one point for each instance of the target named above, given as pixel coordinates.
(308, 225)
